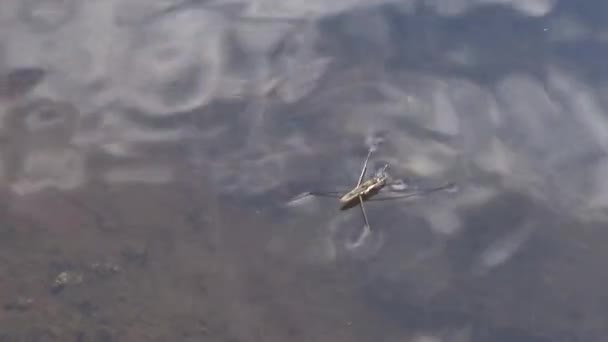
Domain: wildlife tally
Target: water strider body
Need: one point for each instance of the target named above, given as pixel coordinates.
(366, 190)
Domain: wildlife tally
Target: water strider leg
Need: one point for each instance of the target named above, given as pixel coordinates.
(366, 227)
(363, 211)
(369, 154)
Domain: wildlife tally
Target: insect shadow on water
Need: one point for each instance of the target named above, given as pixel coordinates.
(379, 187)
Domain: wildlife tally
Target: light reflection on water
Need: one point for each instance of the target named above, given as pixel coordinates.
(168, 136)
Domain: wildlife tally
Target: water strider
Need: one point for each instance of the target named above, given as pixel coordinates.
(379, 187)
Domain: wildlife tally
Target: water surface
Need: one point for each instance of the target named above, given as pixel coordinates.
(150, 149)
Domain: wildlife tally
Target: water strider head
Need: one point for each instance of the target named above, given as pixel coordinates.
(381, 172)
